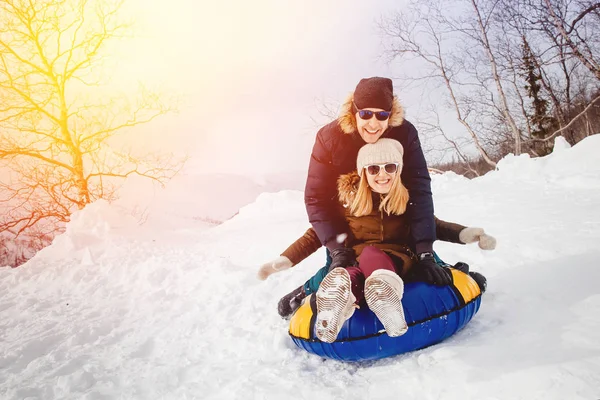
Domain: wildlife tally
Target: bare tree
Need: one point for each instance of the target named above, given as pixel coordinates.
(575, 119)
(483, 22)
(327, 111)
(509, 74)
(423, 36)
(56, 125)
(582, 42)
(455, 146)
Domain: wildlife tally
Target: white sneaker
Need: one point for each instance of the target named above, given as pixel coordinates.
(335, 304)
(383, 292)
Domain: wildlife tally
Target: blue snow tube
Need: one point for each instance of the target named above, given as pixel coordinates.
(433, 313)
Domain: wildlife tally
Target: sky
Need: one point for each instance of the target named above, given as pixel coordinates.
(173, 309)
(251, 76)
(249, 79)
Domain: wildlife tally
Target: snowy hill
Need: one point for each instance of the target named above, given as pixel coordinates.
(114, 310)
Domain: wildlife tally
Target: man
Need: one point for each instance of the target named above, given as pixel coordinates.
(370, 113)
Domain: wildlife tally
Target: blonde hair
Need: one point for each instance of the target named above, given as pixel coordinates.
(393, 203)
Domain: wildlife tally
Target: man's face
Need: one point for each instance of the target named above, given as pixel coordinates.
(370, 129)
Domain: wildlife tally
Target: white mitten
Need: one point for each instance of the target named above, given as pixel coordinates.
(279, 264)
(472, 235)
(487, 242)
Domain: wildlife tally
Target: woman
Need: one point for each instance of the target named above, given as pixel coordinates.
(375, 202)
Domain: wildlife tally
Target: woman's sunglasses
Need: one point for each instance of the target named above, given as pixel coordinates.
(367, 114)
(374, 169)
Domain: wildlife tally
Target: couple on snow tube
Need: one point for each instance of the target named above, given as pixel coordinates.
(389, 232)
(374, 204)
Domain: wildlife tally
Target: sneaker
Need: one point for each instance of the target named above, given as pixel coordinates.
(291, 302)
(383, 292)
(480, 279)
(335, 304)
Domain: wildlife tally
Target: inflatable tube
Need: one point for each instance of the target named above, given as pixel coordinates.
(433, 313)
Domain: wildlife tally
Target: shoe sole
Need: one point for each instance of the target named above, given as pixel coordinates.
(384, 301)
(333, 298)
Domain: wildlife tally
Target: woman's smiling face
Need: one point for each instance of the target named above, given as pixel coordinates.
(382, 181)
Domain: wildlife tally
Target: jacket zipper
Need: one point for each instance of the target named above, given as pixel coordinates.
(381, 217)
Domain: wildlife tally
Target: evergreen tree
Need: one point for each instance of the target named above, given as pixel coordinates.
(540, 121)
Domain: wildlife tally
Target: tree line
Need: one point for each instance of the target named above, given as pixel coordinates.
(513, 73)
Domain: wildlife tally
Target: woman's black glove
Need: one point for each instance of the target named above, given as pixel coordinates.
(342, 257)
(429, 271)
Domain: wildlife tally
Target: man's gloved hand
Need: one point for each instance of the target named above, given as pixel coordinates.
(342, 257)
(472, 235)
(279, 264)
(429, 271)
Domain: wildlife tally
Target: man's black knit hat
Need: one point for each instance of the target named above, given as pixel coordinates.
(374, 92)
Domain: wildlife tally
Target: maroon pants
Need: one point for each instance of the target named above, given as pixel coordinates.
(371, 259)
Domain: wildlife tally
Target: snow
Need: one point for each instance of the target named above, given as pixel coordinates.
(117, 310)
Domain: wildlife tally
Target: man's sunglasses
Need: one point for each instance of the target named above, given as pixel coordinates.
(367, 114)
(374, 169)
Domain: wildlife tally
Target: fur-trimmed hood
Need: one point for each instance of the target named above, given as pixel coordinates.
(347, 119)
(347, 187)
